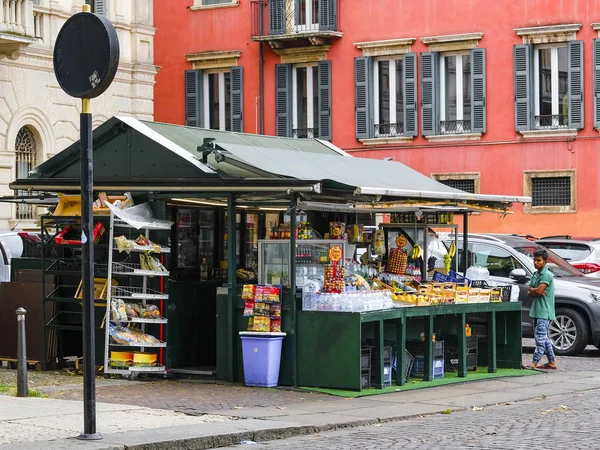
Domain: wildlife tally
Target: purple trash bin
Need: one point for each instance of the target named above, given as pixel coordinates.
(261, 356)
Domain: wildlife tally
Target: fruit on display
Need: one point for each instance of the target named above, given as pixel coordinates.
(431, 263)
(452, 249)
(447, 263)
(417, 251)
(397, 261)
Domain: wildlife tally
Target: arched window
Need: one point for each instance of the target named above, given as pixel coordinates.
(26, 152)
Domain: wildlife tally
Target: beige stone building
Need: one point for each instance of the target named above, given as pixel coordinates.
(37, 119)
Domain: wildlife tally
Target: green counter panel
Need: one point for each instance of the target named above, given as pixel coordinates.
(329, 349)
(329, 343)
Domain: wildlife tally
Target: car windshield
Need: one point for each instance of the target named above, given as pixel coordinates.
(558, 266)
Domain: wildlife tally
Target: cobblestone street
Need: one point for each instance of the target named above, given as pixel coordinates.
(557, 422)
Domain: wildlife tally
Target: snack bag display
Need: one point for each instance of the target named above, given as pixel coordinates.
(275, 325)
(248, 292)
(248, 308)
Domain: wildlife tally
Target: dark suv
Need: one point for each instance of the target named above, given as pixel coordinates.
(509, 259)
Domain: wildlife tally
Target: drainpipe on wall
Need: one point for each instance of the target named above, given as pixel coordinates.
(261, 63)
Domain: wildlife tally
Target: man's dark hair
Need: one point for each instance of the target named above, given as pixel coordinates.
(541, 252)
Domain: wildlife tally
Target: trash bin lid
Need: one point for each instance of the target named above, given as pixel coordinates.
(262, 333)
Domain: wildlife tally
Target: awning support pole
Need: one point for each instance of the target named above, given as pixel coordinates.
(465, 253)
(232, 281)
(292, 282)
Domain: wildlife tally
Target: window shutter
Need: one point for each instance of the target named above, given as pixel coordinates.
(193, 98)
(283, 100)
(523, 89)
(596, 83)
(237, 99)
(328, 15)
(409, 75)
(575, 92)
(478, 110)
(325, 100)
(429, 93)
(277, 21)
(363, 71)
(100, 7)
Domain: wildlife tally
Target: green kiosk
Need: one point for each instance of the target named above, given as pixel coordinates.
(234, 198)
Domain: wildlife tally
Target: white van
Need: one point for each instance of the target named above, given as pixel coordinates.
(17, 244)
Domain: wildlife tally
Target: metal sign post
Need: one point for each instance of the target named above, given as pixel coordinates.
(86, 58)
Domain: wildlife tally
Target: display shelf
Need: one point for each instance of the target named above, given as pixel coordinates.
(146, 248)
(138, 293)
(149, 226)
(156, 345)
(123, 369)
(132, 273)
(119, 268)
(144, 320)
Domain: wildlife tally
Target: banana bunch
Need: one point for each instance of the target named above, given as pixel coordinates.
(417, 251)
(452, 249)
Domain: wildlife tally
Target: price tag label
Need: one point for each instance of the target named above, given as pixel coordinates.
(335, 253)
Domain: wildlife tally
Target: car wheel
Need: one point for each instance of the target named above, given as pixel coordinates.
(568, 333)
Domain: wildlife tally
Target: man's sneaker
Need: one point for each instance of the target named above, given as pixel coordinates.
(530, 366)
(550, 365)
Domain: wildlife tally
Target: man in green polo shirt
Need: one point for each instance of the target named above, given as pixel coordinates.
(541, 288)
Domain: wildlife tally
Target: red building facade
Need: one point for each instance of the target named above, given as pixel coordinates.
(491, 97)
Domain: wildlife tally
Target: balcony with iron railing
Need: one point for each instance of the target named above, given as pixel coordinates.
(293, 23)
(17, 25)
(455, 126)
(305, 133)
(389, 129)
(551, 122)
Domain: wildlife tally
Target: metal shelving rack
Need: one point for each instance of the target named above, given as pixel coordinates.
(62, 264)
(129, 293)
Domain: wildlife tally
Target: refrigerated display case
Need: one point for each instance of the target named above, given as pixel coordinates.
(312, 255)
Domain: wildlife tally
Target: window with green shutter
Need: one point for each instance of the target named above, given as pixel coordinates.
(453, 92)
(385, 96)
(549, 86)
(214, 99)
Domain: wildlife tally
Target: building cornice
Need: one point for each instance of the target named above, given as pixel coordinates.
(548, 33)
(387, 47)
(214, 60)
(299, 55)
(452, 42)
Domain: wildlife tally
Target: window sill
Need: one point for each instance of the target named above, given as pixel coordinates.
(556, 132)
(216, 6)
(454, 137)
(386, 140)
(528, 209)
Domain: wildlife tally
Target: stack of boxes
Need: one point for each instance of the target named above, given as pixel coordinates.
(417, 349)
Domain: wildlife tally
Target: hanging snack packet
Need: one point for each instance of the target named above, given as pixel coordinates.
(248, 308)
(276, 310)
(275, 325)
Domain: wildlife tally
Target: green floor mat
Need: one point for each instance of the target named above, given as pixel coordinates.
(417, 383)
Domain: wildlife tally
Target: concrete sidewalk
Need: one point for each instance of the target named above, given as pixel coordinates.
(38, 423)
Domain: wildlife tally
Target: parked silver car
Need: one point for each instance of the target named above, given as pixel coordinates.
(581, 252)
(509, 260)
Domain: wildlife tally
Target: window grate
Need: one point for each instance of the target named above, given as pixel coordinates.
(467, 185)
(25, 152)
(551, 191)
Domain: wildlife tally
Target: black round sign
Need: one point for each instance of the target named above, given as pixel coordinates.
(86, 55)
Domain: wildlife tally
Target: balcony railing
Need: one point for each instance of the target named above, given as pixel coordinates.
(305, 133)
(389, 129)
(16, 18)
(455, 126)
(551, 122)
(284, 19)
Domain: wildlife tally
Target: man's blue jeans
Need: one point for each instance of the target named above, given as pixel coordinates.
(543, 346)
